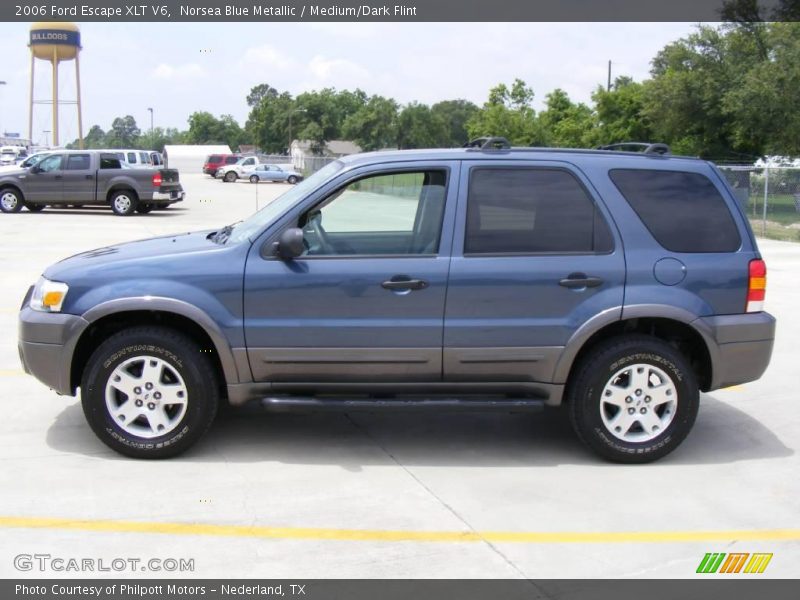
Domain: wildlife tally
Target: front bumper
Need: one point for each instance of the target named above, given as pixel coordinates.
(740, 348)
(46, 344)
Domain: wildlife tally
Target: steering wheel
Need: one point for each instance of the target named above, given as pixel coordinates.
(315, 239)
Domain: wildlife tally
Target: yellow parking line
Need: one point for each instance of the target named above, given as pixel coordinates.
(11, 372)
(377, 535)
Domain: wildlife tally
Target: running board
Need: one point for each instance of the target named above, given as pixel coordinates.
(301, 403)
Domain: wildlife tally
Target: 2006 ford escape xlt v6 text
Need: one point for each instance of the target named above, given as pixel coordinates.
(484, 278)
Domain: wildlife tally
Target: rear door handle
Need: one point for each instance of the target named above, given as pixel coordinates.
(90, 177)
(57, 177)
(404, 283)
(580, 280)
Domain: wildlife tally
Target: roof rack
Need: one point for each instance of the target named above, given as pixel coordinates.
(488, 143)
(645, 147)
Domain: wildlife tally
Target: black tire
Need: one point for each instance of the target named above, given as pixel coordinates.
(179, 355)
(253, 178)
(292, 179)
(10, 200)
(34, 208)
(143, 209)
(124, 202)
(230, 177)
(598, 369)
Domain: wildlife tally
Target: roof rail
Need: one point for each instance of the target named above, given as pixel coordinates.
(488, 143)
(645, 147)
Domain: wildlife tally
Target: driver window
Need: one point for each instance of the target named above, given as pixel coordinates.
(51, 163)
(386, 214)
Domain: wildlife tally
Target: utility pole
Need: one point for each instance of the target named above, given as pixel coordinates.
(152, 137)
(608, 85)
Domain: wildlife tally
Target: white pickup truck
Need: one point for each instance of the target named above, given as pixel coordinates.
(242, 168)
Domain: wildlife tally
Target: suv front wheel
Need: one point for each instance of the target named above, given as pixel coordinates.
(633, 399)
(149, 392)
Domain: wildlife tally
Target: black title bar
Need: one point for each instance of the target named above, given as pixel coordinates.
(394, 10)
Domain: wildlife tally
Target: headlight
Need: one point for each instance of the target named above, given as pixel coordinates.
(48, 296)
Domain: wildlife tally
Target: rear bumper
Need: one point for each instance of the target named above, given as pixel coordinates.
(740, 346)
(46, 343)
(167, 197)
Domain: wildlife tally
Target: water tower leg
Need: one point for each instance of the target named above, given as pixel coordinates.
(78, 85)
(30, 108)
(55, 97)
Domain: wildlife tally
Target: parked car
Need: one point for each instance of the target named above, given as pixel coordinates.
(24, 164)
(88, 177)
(9, 155)
(275, 173)
(241, 168)
(486, 278)
(215, 161)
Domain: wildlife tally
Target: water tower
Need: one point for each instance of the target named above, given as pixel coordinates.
(56, 43)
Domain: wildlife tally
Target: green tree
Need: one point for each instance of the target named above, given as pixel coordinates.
(763, 106)
(454, 115)
(205, 128)
(124, 133)
(374, 125)
(419, 127)
(508, 113)
(259, 92)
(620, 114)
(564, 123)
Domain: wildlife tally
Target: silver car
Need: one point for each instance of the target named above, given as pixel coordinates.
(275, 173)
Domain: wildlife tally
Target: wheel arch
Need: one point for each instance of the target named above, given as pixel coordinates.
(120, 187)
(110, 317)
(673, 325)
(13, 187)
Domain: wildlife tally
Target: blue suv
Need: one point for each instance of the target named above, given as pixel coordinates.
(619, 284)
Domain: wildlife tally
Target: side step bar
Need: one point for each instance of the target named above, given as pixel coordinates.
(304, 403)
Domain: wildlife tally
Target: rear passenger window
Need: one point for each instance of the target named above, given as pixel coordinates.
(110, 162)
(77, 162)
(231, 160)
(532, 211)
(132, 157)
(683, 211)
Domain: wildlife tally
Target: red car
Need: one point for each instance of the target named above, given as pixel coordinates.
(215, 161)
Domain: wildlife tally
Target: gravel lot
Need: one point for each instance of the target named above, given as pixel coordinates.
(431, 495)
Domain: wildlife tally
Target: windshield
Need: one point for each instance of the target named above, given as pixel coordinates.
(254, 224)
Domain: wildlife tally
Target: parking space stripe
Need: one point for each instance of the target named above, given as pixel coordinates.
(377, 535)
(11, 372)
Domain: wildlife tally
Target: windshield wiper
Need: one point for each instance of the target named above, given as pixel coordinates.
(223, 234)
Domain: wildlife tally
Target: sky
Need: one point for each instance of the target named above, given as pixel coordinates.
(179, 68)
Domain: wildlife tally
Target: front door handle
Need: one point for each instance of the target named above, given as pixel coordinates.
(401, 282)
(90, 177)
(580, 280)
(57, 177)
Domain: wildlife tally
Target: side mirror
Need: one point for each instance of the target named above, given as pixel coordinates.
(290, 244)
(35, 169)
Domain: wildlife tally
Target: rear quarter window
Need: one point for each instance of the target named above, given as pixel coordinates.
(214, 158)
(683, 211)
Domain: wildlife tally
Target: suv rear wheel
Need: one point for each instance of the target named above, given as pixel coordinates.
(149, 392)
(633, 399)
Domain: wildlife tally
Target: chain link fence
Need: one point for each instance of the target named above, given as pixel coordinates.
(770, 197)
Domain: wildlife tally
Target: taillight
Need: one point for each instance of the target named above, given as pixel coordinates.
(157, 180)
(756, 286)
